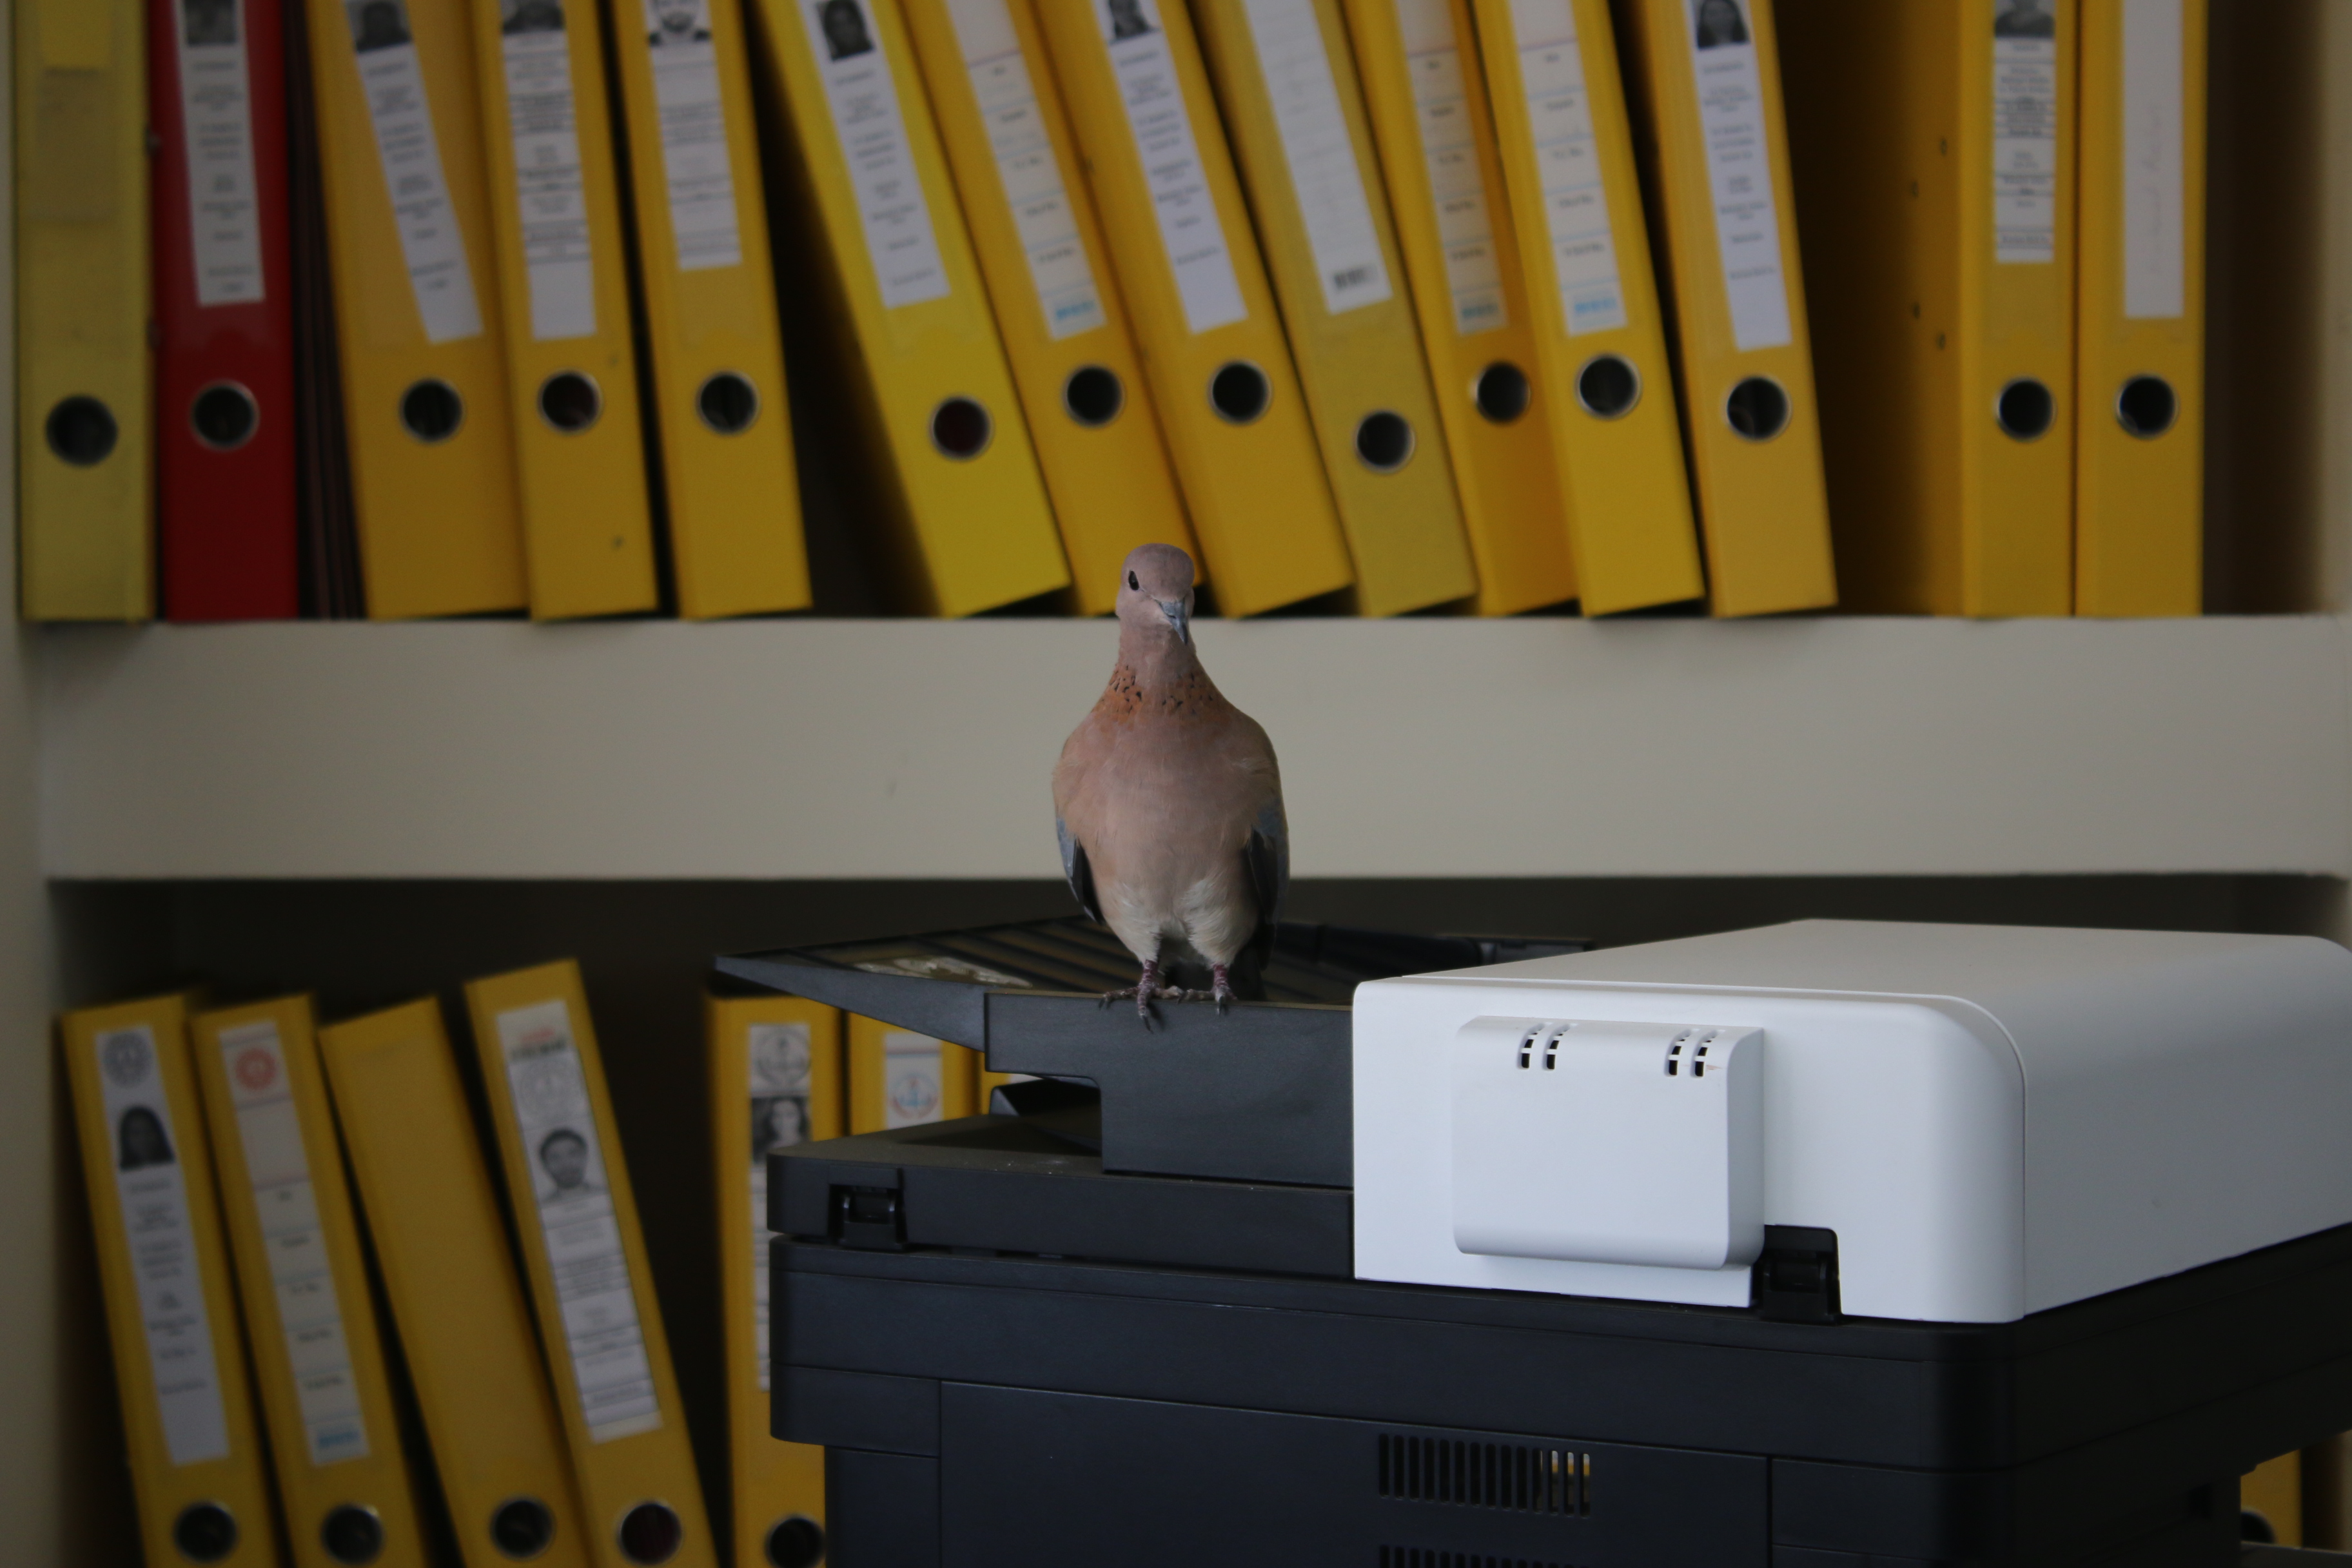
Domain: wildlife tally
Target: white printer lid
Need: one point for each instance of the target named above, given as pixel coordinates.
(1994, 1120)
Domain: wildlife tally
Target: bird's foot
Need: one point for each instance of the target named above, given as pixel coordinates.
(1144, 991)
(1222, 992)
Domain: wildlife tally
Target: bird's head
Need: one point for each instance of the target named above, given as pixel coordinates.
(1155, 591)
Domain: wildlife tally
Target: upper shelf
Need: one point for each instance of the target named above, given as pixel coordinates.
(1417, 748)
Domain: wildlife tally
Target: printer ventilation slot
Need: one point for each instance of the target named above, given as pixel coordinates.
(1429, 1557)
(1689, 1049)
(1547, 1038)
(1520, 1477)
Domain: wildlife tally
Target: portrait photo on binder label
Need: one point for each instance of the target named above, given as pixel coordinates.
(2024, 131)
(1740, 174)
(1153, 99)
(550, 190)
(392, 80)
(780, 1085)
(152, 1188)
(216, 117)
(871, 131)
(698, 172)
(580, 1229)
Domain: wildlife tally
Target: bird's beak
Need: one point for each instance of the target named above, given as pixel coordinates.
(1178, 616)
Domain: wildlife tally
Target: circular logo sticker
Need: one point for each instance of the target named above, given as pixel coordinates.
(126, 1056)
(915, 1097)
(255, 1069)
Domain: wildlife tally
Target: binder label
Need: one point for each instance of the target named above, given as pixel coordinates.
(1190, 230)
(1739, 174)
(1567, 166)
(695, 161)
(2024, 131)
(779, 1118)
(1031, 174)
(913, 1079)
(550, 193)
(153, 1191)
(872, 131)
(393, 81)
(1449, 149)
(2154, 263)
(577, 1223)
(216, 129)
(278, 1168)
(1316, 147)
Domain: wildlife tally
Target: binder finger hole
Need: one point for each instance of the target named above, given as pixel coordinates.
(1384, 442)
(352, 1533)
(2025, 408)
(1092, 395)
(960, 427)
(796, 1542)
(223, 416)
(204, 1532)
(81, 431)
(1607, 386)
(1758, 408)
(728, 402)
(650, 1532)
(2146, 406)
(1502, 391)
(1239, 392)
(431, 410)
(569, 401)
(522, 1527)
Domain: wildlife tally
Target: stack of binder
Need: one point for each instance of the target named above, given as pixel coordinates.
(1041, 252)
(1287, 86)
(1707, 84)
(959, 505)
(1427, 101)
(1568, 164)
(1396, 305)
(1937, 179)
(553, 1428)
(1186, 261)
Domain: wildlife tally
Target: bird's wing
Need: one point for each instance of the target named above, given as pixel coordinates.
(1077, 871)
(1266, 858)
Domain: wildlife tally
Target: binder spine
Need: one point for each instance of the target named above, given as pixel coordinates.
(180, 1365)
(84, 436)
(2139, 436)
(224, 288)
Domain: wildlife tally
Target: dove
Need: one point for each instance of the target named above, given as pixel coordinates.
(1166, 798)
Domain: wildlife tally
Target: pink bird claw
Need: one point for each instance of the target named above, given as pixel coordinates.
(1222, 994)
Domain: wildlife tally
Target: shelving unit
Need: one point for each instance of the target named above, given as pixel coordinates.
(160, 776)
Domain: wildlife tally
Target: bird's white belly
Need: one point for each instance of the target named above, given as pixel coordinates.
(1211, 913)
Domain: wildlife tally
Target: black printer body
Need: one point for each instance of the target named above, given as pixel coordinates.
(1126, 1333)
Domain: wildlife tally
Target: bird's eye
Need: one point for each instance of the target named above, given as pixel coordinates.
(1132, 582)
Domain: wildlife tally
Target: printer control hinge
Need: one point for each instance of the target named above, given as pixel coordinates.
(1795, 1278)
(868, 1218)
